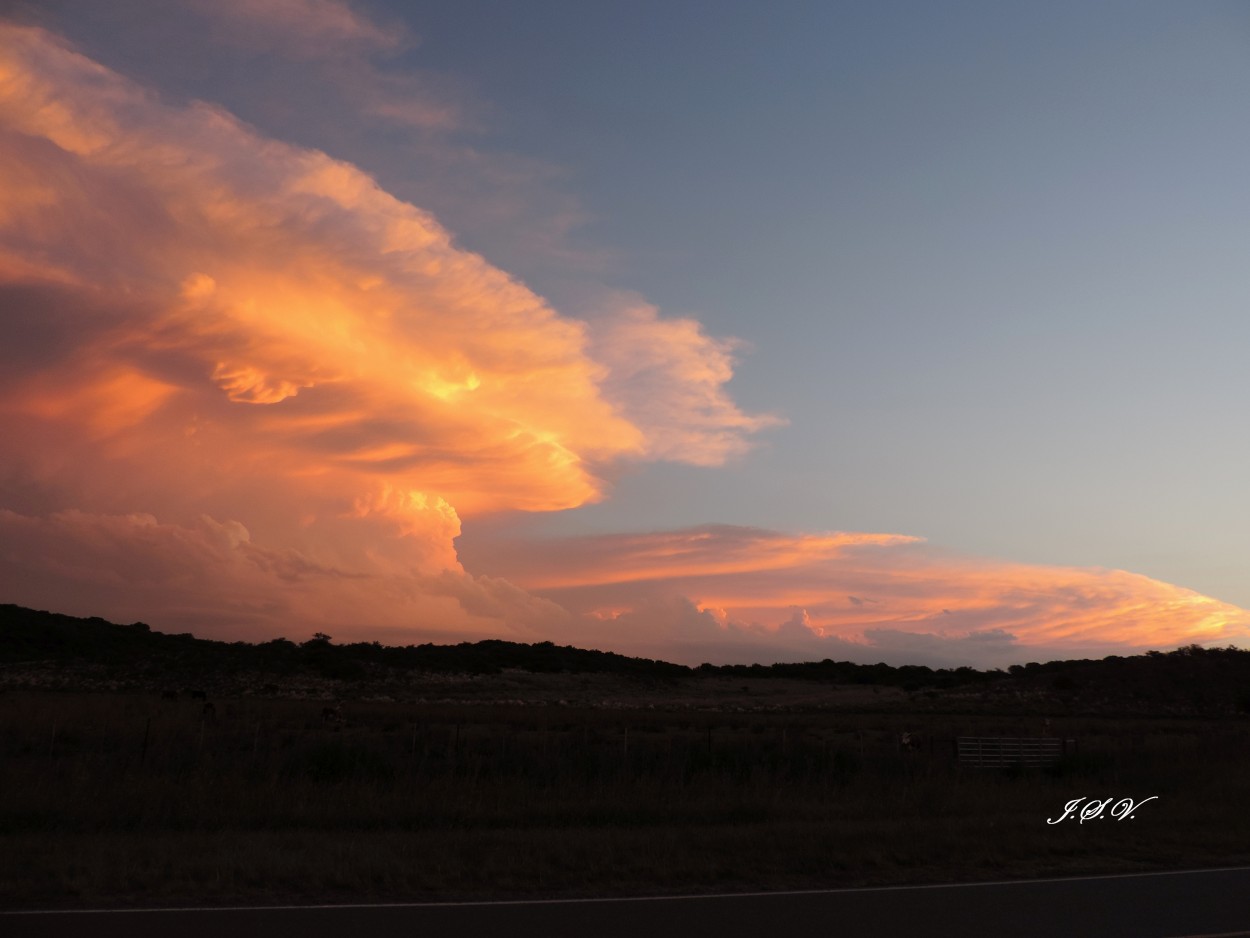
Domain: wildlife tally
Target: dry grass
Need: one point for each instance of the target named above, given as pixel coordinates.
(416, 801)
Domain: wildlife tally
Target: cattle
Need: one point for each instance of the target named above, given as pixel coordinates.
(198, 694)
(331, 715)
(210, 712)
(169, 695)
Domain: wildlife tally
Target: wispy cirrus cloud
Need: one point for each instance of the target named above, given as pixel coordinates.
(349, 50)
(309, 28)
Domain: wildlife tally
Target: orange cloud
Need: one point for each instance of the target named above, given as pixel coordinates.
(244, 390)
(741, 592)
(203, 322)
(670, 378)
(272, 271)
(710, 551)
(211, 578)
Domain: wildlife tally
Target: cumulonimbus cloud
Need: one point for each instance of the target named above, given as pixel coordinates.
(277, 294)
(203, 322)
(246, 391)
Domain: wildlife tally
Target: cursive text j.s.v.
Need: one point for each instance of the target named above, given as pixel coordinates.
(1094, 808)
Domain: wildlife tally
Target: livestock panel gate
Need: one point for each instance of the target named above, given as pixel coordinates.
(993, 752)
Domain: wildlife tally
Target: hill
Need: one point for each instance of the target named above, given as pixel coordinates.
(40, 649)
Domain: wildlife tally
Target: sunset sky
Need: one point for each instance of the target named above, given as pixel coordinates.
(726, 332)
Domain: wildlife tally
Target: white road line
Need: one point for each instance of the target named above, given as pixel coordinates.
(607, 899)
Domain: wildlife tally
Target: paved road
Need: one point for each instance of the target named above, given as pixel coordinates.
(1161, 905)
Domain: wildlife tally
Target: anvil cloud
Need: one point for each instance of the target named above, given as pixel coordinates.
(245, 390)
(721, 592)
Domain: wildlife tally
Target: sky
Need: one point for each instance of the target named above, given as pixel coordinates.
(728, 332)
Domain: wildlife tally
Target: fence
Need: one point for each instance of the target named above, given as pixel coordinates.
(1003, 751)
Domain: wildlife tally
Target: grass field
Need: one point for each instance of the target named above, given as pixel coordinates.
(113, 799)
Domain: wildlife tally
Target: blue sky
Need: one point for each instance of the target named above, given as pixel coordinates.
(986, 261)
(989, 257)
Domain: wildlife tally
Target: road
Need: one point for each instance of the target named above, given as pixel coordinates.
(1159, 905)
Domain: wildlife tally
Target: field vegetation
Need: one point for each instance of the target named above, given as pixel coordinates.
(121, 799)
(122, 788)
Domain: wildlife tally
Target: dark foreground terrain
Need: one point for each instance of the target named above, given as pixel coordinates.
(131, 781)
(1197, 904)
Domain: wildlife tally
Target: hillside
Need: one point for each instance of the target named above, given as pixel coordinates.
(44, 650)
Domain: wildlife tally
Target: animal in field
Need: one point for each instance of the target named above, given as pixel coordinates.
(169, 695)
(908, 742)
(210, 712)
(331, 715)
(198, 695)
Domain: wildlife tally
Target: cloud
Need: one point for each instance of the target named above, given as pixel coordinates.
(245, 390)
(670, 378)
(358, 77)
(739, 593)
(209, 577)
(312, 28)
(348, 53)
(209, 323)
(685, 555)
(331, 75)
